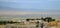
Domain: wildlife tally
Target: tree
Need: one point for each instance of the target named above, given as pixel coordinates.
(53, 19)
(27, 19)
(42, 18)
(49, 19)
(37, 24)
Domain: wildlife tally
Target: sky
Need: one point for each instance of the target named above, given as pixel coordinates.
(30, 7)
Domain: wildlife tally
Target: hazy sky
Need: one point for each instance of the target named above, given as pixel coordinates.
(30, 7)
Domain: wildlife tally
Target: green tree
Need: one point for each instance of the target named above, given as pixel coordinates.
(48, 19)
(37, 24)
(27, 19)
(53, 19)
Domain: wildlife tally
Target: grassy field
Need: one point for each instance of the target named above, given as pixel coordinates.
(2, 26)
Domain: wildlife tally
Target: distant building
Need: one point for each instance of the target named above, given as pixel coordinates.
(16, 20)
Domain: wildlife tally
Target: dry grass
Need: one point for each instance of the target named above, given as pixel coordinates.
(55, 24)
(2, 26)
